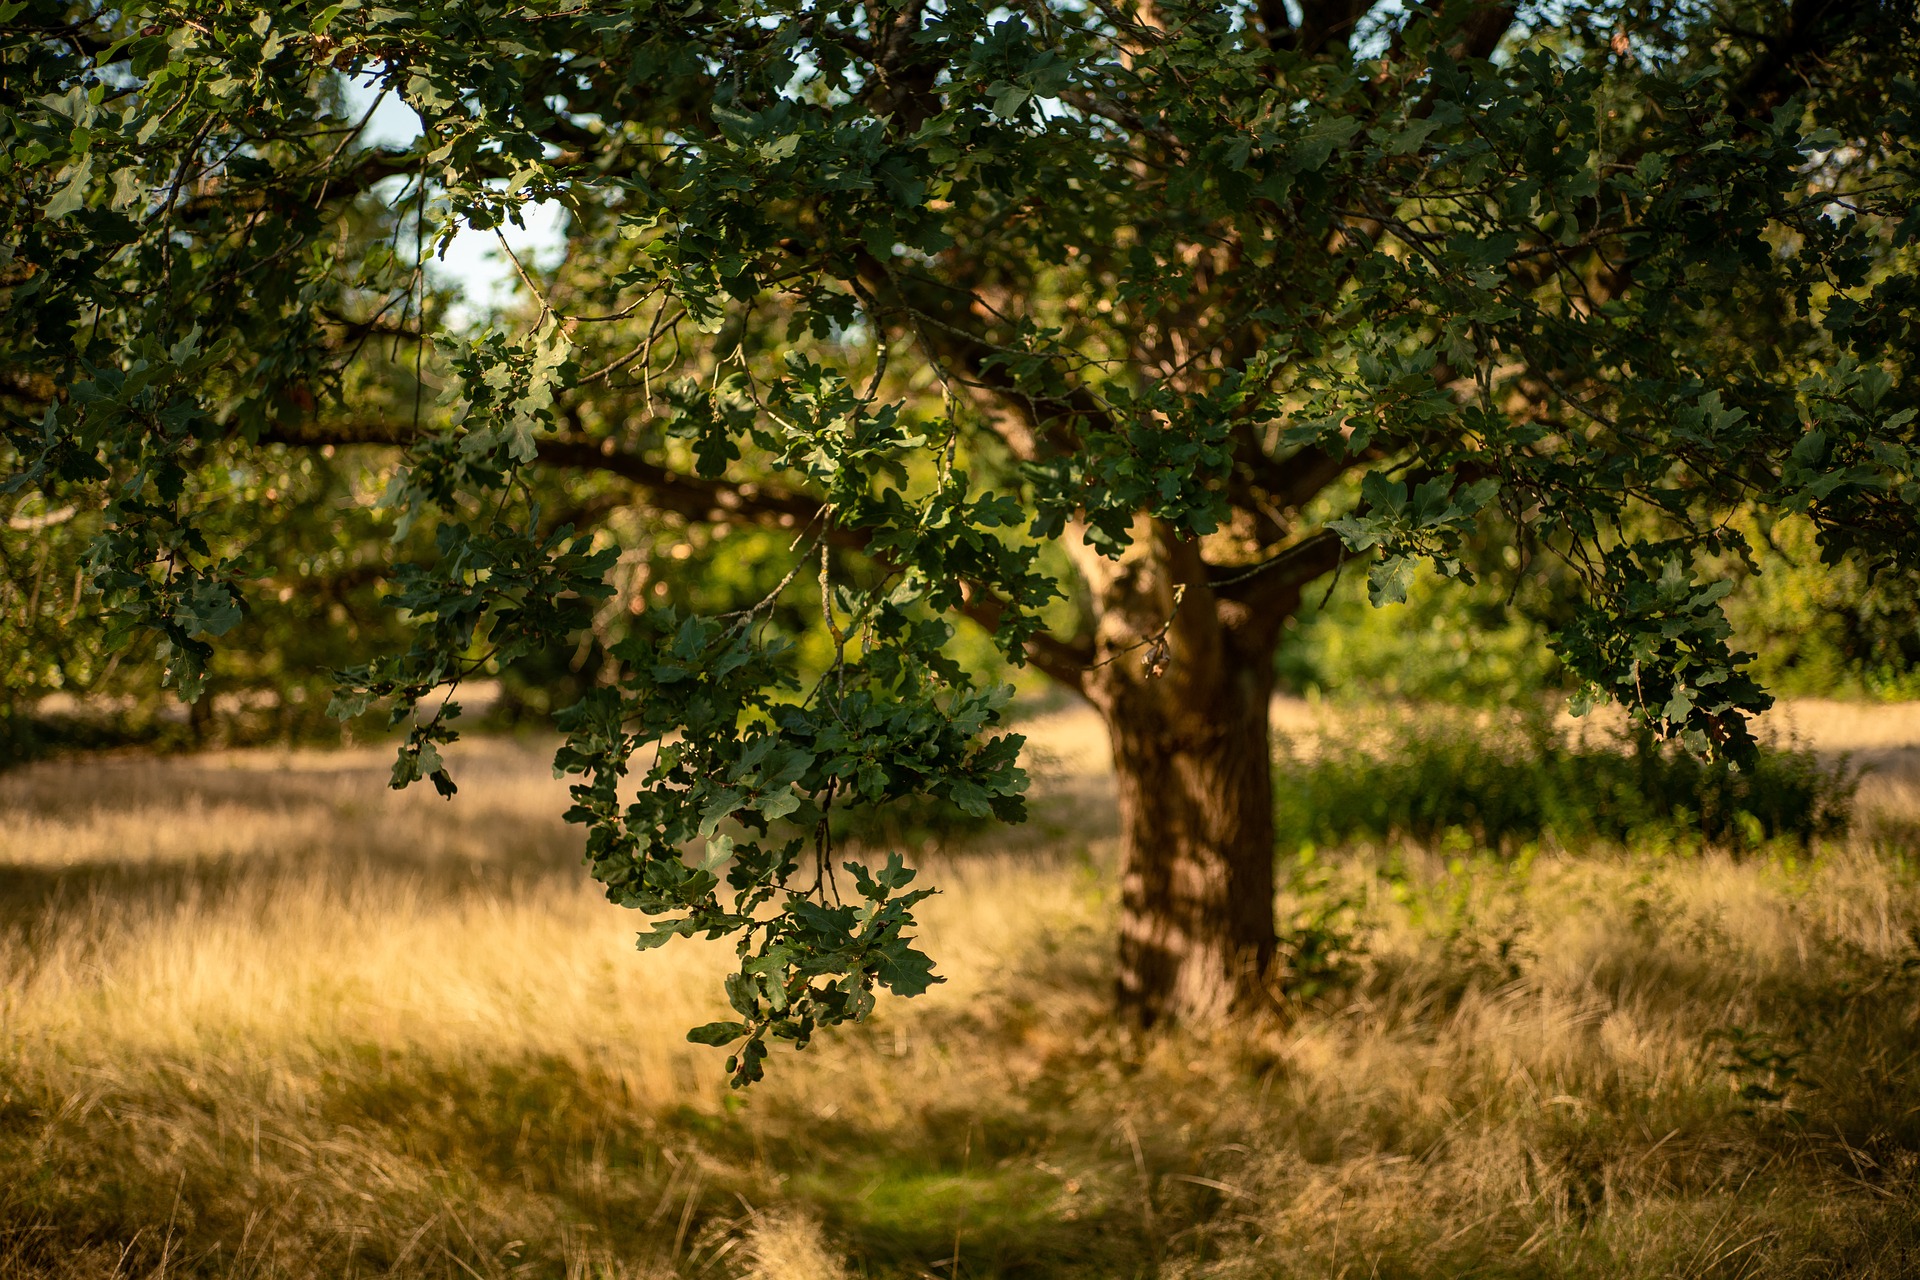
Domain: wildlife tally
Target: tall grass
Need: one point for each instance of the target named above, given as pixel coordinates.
(260, 1018)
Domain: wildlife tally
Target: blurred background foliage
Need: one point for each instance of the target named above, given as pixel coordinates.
(1515, 784)
(1816, 630)
(1819, 630)
(316, 567)
(317, 602)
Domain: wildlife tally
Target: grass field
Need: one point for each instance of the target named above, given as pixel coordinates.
(262, 1018)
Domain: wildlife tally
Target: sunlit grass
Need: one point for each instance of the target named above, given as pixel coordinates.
(262, 1018)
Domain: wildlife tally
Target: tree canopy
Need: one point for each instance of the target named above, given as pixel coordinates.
(1109, 328)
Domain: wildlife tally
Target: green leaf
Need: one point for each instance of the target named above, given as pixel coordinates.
(1320, 142)
(904, 970)
(210, 609)
(1388, 580)
(1009, 99)
(72, 195)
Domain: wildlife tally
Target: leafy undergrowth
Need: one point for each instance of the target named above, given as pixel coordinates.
(388, 1037)
(1506, 783)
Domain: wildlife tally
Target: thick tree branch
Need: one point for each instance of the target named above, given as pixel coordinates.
(1275, 486)
(904, 72)
(1813, 30)
(1480, 33)
(692, 497)
(1276, 584)
(319, 435)
(1065, 661)
(1328, 24)
(941, 315)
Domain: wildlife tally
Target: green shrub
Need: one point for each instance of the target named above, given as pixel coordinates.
(1506, 786)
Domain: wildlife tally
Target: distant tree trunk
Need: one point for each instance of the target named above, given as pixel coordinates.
(1185, 692)
(200, 717)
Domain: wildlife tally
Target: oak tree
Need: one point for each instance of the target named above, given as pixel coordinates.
(1112, 329)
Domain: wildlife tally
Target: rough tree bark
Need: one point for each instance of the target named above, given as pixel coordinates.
(1183, 679)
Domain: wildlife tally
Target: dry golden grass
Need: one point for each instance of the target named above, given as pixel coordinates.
(260, 1017)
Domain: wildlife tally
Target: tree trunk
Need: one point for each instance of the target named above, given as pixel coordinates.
(1196, 812)
(1184, 682)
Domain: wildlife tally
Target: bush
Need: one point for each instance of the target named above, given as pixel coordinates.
(1505, 786)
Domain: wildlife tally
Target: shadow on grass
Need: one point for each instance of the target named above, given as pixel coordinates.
(1624, 1065)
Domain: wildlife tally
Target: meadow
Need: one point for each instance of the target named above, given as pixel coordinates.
(260, 1017)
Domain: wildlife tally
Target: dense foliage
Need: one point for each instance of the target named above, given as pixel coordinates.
(1211, 297)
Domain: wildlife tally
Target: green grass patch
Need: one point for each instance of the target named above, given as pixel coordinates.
(1506, 784)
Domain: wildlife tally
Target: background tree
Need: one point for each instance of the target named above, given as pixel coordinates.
(1159, 312)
